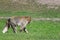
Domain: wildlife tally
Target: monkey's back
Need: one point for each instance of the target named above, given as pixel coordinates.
(18, 20)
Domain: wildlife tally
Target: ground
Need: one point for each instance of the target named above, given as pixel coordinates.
(38, 29)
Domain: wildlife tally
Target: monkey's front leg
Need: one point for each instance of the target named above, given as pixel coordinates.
(23, 29)
(23, 26)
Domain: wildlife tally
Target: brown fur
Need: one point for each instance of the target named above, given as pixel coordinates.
(16, 20)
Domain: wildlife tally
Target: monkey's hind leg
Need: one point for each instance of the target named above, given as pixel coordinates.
(7, 26)
(14, 28)
(5, 29)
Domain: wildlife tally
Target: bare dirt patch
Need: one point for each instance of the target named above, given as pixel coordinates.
(37, 19)
(48, 19)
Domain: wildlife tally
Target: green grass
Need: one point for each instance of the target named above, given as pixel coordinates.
(32, 8)
(38, 30)
(51, 13)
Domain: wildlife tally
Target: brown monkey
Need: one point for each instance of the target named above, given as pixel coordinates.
(17, 21)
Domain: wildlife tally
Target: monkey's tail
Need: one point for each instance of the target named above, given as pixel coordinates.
(9, 20)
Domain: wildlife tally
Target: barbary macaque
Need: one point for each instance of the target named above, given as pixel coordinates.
(15, 21)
